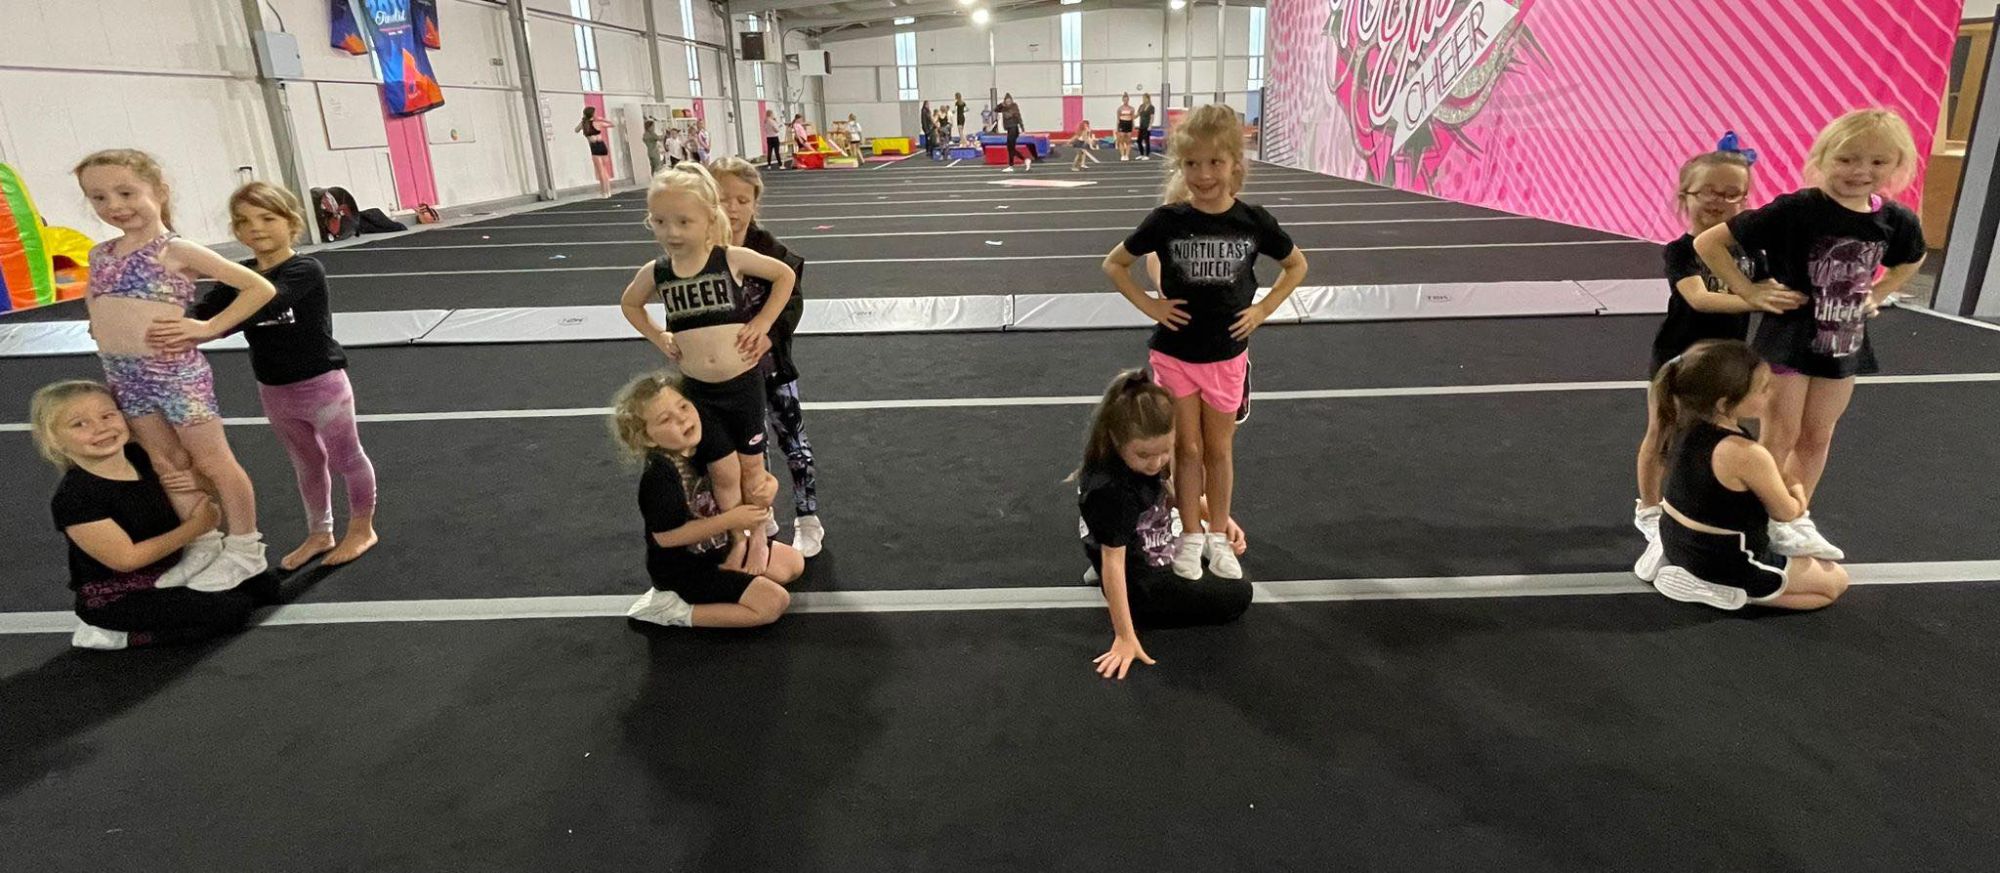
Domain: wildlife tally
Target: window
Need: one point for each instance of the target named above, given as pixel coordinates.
(693, 60)
(906, 66)
(1072, 52)
(1256, 48)
(756, 69)
(586, 48)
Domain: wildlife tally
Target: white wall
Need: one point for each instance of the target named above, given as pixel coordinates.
(1121, 52)
(173, 79)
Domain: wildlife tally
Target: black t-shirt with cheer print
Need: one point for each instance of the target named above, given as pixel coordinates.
(1209, 261)
(665, 504)
(1684, 325)
(1830, 253)
(1120, 508)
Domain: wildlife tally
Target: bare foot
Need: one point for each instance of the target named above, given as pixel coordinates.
(360, 538)
(316, 543)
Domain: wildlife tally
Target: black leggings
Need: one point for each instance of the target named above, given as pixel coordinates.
(1013, 139)
(1145, 134)
(181, 615)
(1160, 599)
(782, 407)
(772, 155)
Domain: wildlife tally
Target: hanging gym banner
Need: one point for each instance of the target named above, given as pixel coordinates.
(345, 32)
(426, 12)
(408, 85)
(1580, 111)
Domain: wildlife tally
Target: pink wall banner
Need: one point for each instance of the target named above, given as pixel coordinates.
(1581, 111)
(410, 158)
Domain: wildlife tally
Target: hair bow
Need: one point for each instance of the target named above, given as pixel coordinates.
(1733, 145)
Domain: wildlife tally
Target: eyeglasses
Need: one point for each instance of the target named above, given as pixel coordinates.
(1721, 196)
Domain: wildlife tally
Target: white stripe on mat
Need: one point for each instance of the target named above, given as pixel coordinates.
(1122, 210)
(800, 237)
(1087, 399)
(990, 599)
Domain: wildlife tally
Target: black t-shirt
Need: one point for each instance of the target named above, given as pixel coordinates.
(708, 298)
(1685, 325)
(1119, 508)
(1820, 248)
(1010, 115)
(665, 504)
(756, 291)
(140, 508)
(959, 109)
(291, 338)
(1209, 261)
(1146, 115)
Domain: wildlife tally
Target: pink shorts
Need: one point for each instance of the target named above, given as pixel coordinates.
(1220, 384)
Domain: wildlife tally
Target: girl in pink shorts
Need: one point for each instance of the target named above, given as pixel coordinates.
(1207, 242)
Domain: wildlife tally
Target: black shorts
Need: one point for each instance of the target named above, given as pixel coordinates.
(600, 149)
(1125, 126)
(1787, 343)
(709, 585)
(1734, 560)
(737, 405)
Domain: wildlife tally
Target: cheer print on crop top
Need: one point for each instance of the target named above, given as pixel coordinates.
(708, 298)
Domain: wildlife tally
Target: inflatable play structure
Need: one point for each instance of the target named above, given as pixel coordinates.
(39, 265)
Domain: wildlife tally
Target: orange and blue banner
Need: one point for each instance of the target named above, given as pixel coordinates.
(408, 85)
(344, 30)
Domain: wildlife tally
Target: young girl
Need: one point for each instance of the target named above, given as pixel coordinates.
(125, 536)
(593, 130)
(1712, 190)
(688, 529)
(944, 130)
(301, 374)
(742, 187)
(1126, 114)
(854, 134)
(651, 137)
(141, 284)
(1723, 489)
(801, 137)
(710, 332)
(1208, 242)
(1083, 140)
(1827, 242)
(1125, 498)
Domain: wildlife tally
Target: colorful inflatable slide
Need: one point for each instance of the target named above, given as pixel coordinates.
(39, 265)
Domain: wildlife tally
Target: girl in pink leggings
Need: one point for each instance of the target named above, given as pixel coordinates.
(302, 374)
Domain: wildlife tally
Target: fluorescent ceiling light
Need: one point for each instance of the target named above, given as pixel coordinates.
(981, 16)
(965, 2)
(1071, 2)
(907, 19)
(1176, 5)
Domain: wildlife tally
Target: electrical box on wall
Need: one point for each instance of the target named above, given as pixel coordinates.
(811, 63)
(278, 55)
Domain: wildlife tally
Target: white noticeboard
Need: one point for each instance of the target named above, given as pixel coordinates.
(352, 114)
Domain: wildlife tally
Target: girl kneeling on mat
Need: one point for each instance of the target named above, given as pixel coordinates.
(124, 535)
(1723, 489)
(696, 582)
(1125, 497)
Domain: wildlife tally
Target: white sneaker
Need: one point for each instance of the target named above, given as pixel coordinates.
(1647, 568)
(808, 535)
(1222, 558)
(1124, 157)
(242, 559)
(1786, 540)
(1090, 576)
(1008, 170)
(93, 637)
(1647, 520)
(195, 558)
(1679, 584)
(1027, 164)
(1187, 555)
(1812, 542)
(770, 527)
(663, 608)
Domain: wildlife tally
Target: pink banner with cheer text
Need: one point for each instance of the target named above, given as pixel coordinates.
(1581, 111)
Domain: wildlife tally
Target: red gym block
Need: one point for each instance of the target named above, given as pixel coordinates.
(811, 161)
(996, 154)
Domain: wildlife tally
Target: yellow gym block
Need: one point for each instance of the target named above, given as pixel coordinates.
(838, 161)
(893, 145)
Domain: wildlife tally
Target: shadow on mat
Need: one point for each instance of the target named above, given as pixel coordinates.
(72, 693)
(743, 731)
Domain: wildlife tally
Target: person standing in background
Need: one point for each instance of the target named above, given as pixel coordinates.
(772, 153)
(1010, 118)
(1145, 131)
(652, 139)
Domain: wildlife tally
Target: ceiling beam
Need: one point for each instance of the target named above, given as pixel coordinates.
(944, 16)
(740, 7)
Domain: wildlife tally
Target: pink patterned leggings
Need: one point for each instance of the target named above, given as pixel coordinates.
(315, 419)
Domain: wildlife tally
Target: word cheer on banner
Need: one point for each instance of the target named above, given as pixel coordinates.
(1581, 111)
(401, 31)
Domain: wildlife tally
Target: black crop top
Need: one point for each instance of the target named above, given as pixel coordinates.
(706, 299)
(1692, 488)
